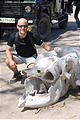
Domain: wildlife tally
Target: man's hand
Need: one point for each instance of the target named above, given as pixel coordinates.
(13, 64)
(46, 47)
(57, 49)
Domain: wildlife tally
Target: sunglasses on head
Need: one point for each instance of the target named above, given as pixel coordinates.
(22, 26)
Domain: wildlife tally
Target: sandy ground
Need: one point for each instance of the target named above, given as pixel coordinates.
(67, 108)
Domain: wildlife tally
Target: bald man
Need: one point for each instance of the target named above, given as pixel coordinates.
(25, 49)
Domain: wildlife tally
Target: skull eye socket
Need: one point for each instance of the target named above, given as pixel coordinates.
(38, 71)
(49, 76)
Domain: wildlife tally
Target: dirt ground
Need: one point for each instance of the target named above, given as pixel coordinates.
(67, 108)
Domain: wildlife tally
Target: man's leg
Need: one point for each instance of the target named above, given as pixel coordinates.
(70, 6)
(13, 68)
(76, 15)
(17, 75)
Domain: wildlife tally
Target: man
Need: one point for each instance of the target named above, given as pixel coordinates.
(26, 51)
(70, 6)
(77, 4)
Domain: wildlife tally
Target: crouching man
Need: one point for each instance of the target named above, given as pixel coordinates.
(25, 49)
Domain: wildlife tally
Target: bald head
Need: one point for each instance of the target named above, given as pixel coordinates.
(22, 26)
(22, 21)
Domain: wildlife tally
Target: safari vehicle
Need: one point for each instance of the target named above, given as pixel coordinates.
(39, 13)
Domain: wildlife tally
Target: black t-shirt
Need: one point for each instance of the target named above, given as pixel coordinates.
(24, 47)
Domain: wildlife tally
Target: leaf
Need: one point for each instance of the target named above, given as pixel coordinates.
(29, 28)
(62, 105)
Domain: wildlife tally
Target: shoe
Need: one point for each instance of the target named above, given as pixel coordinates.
(15, 78)
(24, 72)
(23, 79)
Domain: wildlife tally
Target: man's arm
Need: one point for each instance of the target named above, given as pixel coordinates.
(46, 47)
(10, 60)
(8, 52)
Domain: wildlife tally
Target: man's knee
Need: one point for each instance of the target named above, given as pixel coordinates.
(13, 68)
(7, 62)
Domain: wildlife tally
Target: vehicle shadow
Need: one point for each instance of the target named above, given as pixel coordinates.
(56, 31)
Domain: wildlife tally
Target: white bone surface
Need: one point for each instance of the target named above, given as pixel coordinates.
(54, 72)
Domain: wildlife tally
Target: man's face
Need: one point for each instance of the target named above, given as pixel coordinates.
(22, 26)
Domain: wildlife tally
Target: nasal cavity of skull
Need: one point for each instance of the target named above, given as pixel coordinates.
(49, 76)
(65, 81)
(60, 71)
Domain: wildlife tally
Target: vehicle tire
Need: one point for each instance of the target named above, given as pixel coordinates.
(43, 26)
(64, 22)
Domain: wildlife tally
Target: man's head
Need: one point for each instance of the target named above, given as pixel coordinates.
(22, 26)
